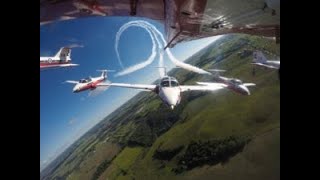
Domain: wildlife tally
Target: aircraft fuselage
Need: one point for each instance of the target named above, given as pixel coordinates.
(171, 96)
(52, 62)
(91, 85)
(169, 91)
(233, 84)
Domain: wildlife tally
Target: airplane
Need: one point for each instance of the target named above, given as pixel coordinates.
(88, 8)
(260, 60)
(233, 84)
(89, 83)
(61, 59)
(169, 90)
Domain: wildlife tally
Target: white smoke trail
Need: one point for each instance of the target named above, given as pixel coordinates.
(140, 65)
(161, 64)
(173, 59)
(161, 70)
(151, 58)
(154, 33)
(185, 65)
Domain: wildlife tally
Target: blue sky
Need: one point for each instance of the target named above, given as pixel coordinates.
(64, 116)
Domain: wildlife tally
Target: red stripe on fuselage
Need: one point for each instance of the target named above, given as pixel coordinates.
(54, 63)
(91, 85)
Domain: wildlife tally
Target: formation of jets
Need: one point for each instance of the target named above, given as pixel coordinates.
(183, 21)
(168, 89)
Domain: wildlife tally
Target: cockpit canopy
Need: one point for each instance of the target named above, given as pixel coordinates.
(86, 80)
(169, 82)
(236, 81)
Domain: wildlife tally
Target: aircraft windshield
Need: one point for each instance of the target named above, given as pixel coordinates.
(169, 82)
(236, 81)
(165, 84)
(174, 84)
(85, 80)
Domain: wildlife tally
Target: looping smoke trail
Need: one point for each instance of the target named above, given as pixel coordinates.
(142, 64)
(173, 59)
(152, 56)
(154, 33)
(121, 30)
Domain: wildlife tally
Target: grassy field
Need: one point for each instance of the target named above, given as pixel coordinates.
(144, 124)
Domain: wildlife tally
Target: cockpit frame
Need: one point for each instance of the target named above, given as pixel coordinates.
(236, 81)
(86, 80)
(169, 82)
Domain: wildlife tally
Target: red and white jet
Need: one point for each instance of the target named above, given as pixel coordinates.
(89, 83)
(61, 59)
(233, 84)
(88, 7)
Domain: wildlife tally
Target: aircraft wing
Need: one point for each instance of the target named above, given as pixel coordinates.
(249, 84)
(68, 65)
(264, 65)
(201, 88)
(212, 84)
(71, 82)
(57, 66)
(144, 87)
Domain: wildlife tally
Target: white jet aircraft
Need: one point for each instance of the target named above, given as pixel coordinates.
(61, 59)
(168, 89)
(260, 60)
(233, 84)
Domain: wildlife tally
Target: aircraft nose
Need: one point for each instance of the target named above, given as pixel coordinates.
(172, 100)
(170, 96)
(245, 90)
(75, 90)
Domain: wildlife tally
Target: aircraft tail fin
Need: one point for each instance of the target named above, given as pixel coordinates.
(258, 57)
(64, 54)
(164, 72)
(104, 72)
